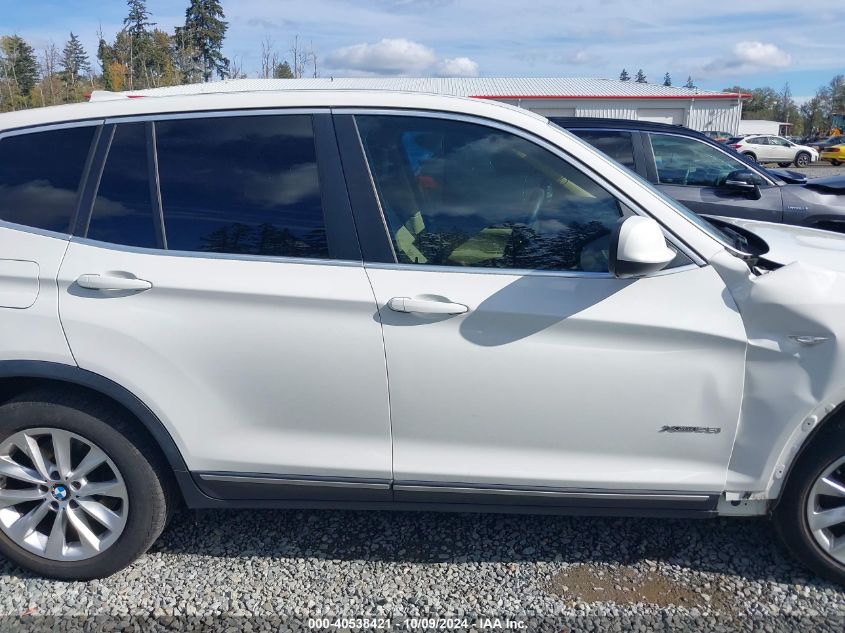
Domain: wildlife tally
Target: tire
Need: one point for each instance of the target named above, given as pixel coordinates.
(792, 512)
(132, 460)
(802, 159)
(835, 163)
(750, 155)
(784, 164)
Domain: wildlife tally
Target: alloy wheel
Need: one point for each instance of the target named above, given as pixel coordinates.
(826, 510)
(61, 496)
(802, 160)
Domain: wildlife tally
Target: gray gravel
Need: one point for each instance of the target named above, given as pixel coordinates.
(818, 170)
(269, 570)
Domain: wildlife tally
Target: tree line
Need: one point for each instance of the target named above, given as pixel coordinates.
(813, 116)
(141, 55)
(641, 78)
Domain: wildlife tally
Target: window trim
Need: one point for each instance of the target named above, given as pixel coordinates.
(676, 241)
(141, 250)
(741, 164)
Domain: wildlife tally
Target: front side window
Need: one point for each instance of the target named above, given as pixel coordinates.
(461, 194)
(40, 174)
(685, 161)
(242, 185)
(618, 145)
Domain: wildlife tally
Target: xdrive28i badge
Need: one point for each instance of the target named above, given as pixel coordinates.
(690, 429)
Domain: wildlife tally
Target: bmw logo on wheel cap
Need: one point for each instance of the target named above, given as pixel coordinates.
(60, 493)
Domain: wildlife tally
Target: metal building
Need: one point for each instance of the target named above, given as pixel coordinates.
(549, 96)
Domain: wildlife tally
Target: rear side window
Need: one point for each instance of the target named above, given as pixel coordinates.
(123, 209)
(242, 185)
(618, 145)
(40, 174)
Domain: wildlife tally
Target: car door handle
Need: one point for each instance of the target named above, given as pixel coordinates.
(425, 306)
(113, 282)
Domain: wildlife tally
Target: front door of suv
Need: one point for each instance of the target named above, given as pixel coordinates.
(694, 173)
(515, 360)
(242, 315)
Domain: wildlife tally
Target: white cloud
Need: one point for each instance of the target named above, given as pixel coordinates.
(751, 56)
(398, 56)
(457, 67)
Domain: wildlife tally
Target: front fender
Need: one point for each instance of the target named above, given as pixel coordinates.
(795, 366)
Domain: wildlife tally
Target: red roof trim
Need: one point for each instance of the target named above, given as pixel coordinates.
(700, 96)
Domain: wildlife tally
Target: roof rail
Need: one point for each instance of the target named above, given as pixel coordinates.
(98, 96)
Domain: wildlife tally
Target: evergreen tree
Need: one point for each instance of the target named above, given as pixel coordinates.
(641, 79)
(18, 64)
(624, 76)
(161, 64)
(74, 60)
(205, 30)
(689, 83)
(282, 71)
(667, 80)
(137, 25)
(137, 21)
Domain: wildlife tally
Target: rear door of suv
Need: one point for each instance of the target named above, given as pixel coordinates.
(216, 274)
(40, 174)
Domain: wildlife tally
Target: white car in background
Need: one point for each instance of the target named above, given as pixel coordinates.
(201, 297)
(774, 149)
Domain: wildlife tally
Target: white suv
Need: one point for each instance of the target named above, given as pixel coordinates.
(774, 149)
(383, 300)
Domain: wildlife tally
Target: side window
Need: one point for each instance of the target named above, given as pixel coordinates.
(123, 209)
(759, 140)
(40, 174)
(242, 185)
(618, 145)
(686, 161)
(461, 194)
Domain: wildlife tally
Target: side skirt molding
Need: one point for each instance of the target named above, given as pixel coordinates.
(254, 490)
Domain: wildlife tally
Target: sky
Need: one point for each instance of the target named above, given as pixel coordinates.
(720, 43)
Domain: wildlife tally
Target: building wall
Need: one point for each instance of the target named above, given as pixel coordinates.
(753, 126)
(699, 114)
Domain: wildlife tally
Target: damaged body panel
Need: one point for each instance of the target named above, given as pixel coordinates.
(795, 373)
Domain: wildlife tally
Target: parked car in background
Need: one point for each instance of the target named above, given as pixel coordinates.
(834, 153)
(721, 137)
(712, 178)
(774, 149)
(200, 297)
(830, 141)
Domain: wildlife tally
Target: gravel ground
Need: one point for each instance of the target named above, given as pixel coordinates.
(818, 170)
(273, 570)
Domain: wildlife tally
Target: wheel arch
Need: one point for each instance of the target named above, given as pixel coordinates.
(18, 376)
(800, 444)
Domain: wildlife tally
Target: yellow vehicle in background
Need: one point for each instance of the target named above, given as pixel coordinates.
(835, 153)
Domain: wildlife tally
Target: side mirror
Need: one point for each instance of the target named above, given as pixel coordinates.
(638, 247)
(744, 181)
